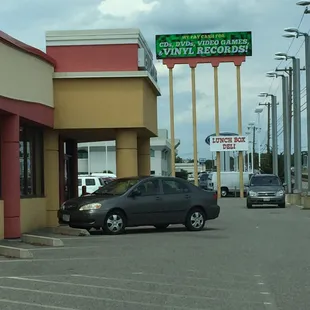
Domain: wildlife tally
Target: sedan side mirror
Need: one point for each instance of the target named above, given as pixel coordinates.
(135, 193)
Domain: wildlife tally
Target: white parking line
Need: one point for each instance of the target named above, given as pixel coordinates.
(7, 301)
(58, 259)
(203, 288)
(112, 300)
(111, 288)
(186, 277)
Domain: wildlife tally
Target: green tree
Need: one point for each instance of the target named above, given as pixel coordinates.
(178, 159)
(209, 164)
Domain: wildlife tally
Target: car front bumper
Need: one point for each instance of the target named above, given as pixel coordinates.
(82, 219)
(273, 200)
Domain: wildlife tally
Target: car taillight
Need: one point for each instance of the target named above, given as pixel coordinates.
(215, 196)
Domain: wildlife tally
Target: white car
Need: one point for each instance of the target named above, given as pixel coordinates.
(92, 183)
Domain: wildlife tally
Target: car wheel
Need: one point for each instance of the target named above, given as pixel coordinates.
(162, 226)
(115, 223)
(282, 205)
(224, 192)
(195, 220)
(249, 206)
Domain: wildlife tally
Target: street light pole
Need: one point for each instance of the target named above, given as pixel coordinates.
(274, 134)
(307, 59)
(297, 114)
(258, 111)
(289, 72)
(286, 128)
(297, 126)
(286, 135)
(274, 130)
(252, 126)
(248, 151)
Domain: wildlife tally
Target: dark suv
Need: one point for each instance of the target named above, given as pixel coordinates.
(265, 189)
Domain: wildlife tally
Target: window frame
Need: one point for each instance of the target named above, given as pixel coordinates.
(178, 182)
(93, 179)
(32, 136)
(152, 181)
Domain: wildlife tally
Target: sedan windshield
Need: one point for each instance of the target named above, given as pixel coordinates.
(117, 187)
(265, 181)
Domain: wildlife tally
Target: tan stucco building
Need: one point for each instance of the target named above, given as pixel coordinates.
(89, 86)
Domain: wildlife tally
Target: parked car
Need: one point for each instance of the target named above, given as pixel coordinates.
(203, 180)
(266, 189)
(140, 201)
(92, 183)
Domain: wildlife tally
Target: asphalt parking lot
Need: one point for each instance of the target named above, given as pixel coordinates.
(232, 265)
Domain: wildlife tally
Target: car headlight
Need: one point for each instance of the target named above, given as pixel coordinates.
(62, 207)
(280, 193)
(90, 206)
(252, 194)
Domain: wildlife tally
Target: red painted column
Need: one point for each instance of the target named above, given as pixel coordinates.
(10, 176)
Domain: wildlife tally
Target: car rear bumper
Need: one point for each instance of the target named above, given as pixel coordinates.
(266, 200)
(213, 212)
(82, 219)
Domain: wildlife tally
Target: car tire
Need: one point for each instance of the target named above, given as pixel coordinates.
(224, 192)
(195, 220)
(115, 223)
(282, 205)
(162, 226)
(249, 206)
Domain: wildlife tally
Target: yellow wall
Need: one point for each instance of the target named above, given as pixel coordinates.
(105, 103)
(51, 176)
(25, 77)
(149, 108)
(1, 220)
(32, 214)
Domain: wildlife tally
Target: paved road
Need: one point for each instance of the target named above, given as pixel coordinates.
(246, 260)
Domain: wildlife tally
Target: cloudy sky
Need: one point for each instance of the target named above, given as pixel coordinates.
(28, 20)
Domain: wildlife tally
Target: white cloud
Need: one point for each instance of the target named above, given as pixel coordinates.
(125, 8)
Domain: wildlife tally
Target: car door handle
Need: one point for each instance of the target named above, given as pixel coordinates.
(187, 196)
(158, 198)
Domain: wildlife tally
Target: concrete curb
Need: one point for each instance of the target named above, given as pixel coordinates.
(65, 230)
(298, 206)
(40, 240)
(12, 252)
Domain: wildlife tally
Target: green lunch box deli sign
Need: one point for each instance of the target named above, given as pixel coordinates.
(204, 45)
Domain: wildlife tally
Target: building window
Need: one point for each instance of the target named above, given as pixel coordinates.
(164, 154)
(82, 154)
(90, 182)
(31, 161)
(152, 153)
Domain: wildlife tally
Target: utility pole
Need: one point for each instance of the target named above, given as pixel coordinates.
(253, 159)
(289, 72)
(268, 125)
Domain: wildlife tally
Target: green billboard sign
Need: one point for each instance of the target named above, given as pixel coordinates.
(204, 45)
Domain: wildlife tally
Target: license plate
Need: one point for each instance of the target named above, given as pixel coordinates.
(66, 218)
(266, 199)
